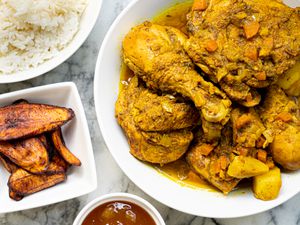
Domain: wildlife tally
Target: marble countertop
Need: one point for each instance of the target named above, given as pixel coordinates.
(80, 69)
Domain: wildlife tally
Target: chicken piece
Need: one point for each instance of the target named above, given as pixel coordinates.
(154, 147)
(244, 44)
(290, 81)
(212, 131)
(163, 113)
(247, 128)
(280, 114)
(214, 165)
(155, 53)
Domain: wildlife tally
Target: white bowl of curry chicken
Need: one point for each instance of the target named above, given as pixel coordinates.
(198, 102)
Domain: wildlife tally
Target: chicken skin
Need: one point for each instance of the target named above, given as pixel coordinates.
(154, 147)
(248, 129)
(280, 114)
(243, 45)
(205, 159)
(163, 113)
(155, 53)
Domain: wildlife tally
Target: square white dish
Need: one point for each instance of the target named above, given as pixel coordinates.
(80, 180)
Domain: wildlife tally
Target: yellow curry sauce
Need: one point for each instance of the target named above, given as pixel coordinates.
(178, 171)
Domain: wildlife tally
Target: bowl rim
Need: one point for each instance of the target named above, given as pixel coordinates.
(61, 57)
(118, 196)
(97, 79)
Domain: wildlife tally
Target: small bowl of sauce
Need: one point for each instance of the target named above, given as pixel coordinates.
(119, 209)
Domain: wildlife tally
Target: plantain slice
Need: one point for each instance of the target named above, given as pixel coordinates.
(23, 183)
(24, 120)
(20, 101)
(30, 154)
(44, 140)
(60, 146)
(57, 165)
(13, 195)
(8, 165)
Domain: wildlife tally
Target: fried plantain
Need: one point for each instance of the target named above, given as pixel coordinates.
(57, 165)
(30, 154)
(25, 120)
(44, 140)
(60, 146)
(13, 195)
(23, 183)
(8, 164)
(20, 101)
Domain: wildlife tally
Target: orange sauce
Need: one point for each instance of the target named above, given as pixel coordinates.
(118, 213)
(178, 171)
(126, 75)
(175, 16)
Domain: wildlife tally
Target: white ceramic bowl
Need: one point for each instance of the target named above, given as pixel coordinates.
(80, 180)
(88, 20)
(193, 201)
(119, 197)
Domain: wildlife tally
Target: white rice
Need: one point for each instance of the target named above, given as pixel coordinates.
(33, 31)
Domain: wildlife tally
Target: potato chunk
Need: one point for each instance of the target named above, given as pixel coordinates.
(285, 148)
(245, 167)
(267, 186)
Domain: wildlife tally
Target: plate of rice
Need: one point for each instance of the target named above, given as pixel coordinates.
(38, 35)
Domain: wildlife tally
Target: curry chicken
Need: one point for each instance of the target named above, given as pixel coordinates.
(217, 90)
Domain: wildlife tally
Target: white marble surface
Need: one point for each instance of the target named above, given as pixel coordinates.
(80, 69)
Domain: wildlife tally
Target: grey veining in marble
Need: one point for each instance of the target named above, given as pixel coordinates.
(80, 69)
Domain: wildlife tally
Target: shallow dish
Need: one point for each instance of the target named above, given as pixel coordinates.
(81, 180)
(193, 201)
(87, 22)
(119, 197)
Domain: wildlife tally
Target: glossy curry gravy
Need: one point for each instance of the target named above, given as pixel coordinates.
(178, 171)
(118, 213)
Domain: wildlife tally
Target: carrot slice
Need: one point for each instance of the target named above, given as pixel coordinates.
(211, 46)
(223, 162)
(251, 29)
(262, 155)
(243, 120)
(261, 76)
(243, 151)
(199, 5)
(215, 167)
(284, 116)
(251, 53)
